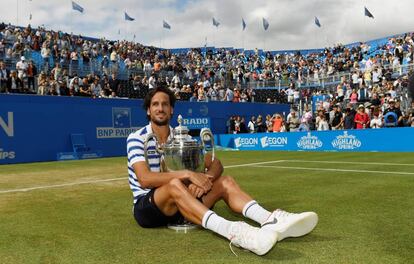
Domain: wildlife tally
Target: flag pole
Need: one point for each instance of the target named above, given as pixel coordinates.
(163, 42)
(243, 39)
(125, 26)
(214, 38)
(71, 18)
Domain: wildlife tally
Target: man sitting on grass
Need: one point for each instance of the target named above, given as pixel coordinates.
(162, 198)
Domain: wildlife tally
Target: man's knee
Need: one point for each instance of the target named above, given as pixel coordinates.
(176, 188)
(228, 182)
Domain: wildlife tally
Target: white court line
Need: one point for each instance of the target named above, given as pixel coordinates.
(351, 162)
(340, 170)
(59, 185)
(113, 179)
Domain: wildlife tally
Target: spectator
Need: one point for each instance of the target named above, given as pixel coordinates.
(96, 88)
(322, 124)
(293, 122)
(353, 97)
(152, 81)
(212, 93)
(243, 128)
(260, 125)
(176, 79)
(269, 123)
(14, 83)
(4, 76)
(43, 83)
(105, 65)
(231, 125)
(45, 54)
(252, 124)
(21, 68)
(338, 118)
(85, 89)
(237, 121)
(376, 120)
(236, 95)
(194, 97)
(361, 118)
(229, 95)
(114, 83)
(74, 86)
(278, 124)
(394, 109)
(411, 119)
(349, 119)
(31, 73)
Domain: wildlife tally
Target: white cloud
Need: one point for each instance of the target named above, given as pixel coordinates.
(291, 21)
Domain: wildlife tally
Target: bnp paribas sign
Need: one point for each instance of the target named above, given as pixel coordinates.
(121, 124)
(6, 127)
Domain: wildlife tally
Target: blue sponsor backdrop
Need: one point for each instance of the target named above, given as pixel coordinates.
(36, 128)
(387, 140)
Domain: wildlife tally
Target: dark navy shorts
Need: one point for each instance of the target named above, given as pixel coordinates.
(147, 214)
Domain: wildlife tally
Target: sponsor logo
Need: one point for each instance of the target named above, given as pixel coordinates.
(246, 142)
(309, 142)
(204, 110)
(196, 123)
(7, 154)
(273, 141)
(274, 221)
(121, 125)
(346, 141)
(8, 127)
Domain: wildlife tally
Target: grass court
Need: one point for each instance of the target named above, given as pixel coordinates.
(81, 211)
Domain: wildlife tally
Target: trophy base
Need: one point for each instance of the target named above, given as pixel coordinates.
(182, 228)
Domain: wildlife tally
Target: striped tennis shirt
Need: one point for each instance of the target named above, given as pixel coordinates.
(135, 150)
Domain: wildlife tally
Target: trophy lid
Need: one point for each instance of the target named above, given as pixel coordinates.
(181, 136)
(180, 130)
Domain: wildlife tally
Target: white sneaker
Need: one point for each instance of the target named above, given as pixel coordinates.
(290, 224)
(257, 240)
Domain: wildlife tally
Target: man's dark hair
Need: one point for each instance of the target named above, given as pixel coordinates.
(152, 92)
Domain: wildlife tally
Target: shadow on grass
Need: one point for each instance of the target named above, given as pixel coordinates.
(278, 253)
(310, 238)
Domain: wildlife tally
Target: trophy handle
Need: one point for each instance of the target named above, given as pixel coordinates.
(206, 135)
(157, 147)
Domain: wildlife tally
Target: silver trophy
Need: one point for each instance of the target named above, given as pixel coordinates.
(182, 152)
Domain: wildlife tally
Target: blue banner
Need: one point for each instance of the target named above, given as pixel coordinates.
(196, 122)
(392, 140)
(39, 128)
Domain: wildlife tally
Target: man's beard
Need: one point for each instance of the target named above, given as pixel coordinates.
(161, 123)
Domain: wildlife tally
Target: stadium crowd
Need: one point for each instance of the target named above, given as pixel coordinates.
(49, 62)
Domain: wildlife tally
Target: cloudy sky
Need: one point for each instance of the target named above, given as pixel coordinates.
(291, 21)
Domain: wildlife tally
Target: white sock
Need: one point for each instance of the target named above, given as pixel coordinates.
(216, 223)
(255, 212)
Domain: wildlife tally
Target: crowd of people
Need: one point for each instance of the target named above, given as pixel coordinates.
(376, 113)
(368, 75)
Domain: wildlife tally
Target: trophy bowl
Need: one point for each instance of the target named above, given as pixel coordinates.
(182, 152)
(184, 157)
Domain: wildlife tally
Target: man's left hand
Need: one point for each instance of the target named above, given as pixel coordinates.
(195, 191)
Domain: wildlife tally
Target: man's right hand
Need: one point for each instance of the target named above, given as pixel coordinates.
(202, 180)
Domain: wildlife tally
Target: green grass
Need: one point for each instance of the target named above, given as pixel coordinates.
(364, 217)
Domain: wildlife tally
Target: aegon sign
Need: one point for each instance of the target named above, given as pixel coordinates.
(8, 126)
(196, 122)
